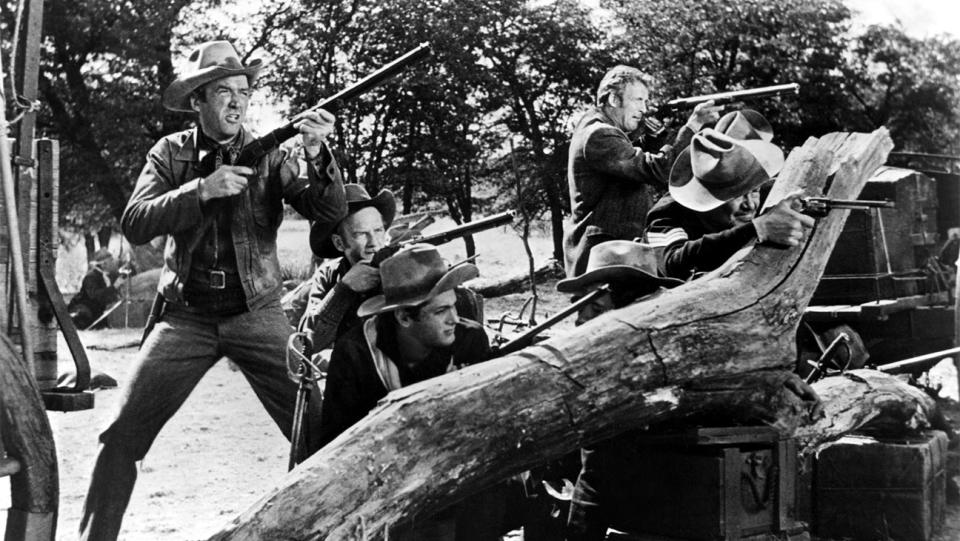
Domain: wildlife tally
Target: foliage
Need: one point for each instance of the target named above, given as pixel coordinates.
(909, 85)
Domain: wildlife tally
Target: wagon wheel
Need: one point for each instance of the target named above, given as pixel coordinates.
(29, 458)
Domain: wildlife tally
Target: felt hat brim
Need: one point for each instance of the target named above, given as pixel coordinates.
(177, 96)
(451, 279)
(321, 241)
(618, 274)
(691, 192)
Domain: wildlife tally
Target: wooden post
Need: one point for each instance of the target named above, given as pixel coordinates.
(48, 180)
(430, 443)
(27, 437)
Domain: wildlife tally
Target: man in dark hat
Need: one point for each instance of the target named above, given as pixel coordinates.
(711, 210)
(341, 284)
(220, 285)
(629, 270)
(612, 182)
(96, 290)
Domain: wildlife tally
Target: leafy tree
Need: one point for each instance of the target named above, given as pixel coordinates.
(909, 85)
(696, 47)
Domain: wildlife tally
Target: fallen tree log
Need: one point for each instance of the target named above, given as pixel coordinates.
(446, 437)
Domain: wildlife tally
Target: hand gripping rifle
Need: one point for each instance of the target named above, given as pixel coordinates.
(251, 154)
(655, 127)
(446, 236)
(528, 338)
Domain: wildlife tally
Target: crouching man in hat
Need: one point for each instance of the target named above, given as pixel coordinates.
(414, 333)
(345, 280)
(711, 210)
(629, 270)
(96, 290)
(221, 278)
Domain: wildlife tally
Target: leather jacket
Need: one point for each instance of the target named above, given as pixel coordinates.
(166, 201)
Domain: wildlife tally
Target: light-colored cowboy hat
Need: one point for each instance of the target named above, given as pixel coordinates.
(412, 276)
(357, 198)
(725, 162)
(208, 62)
(624, 262)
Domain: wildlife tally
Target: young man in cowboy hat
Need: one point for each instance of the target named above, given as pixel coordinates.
(342, 283)
(221, 284)
(711, 210)
(612, 182)
(629, 270)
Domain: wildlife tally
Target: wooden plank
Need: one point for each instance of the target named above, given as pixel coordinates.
(69, 330)
(48, 173)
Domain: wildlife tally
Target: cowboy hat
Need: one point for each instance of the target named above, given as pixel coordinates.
(357, 198)
(725, 162)
(412, 276)
(208, 62)
(621, 261)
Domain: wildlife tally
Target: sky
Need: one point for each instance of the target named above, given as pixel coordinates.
(920, 18)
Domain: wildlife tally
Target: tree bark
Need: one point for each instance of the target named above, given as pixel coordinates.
(427, 444)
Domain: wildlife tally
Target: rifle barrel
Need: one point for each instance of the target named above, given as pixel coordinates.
(376, 78)
(468, 228)
(524, 339)
(854, 203)
(736, 95)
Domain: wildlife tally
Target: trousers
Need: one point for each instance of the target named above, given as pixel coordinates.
(180, 349)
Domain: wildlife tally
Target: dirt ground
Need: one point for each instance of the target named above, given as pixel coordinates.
(221, 452)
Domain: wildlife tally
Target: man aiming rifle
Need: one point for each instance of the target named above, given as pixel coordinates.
(220, 284)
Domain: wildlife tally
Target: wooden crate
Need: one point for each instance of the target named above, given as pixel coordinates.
(713, 483)
(870, 489)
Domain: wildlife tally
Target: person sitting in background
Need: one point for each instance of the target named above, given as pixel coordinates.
(711, 210)
(96, 290)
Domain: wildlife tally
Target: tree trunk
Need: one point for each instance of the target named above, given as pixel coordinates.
(429, 443)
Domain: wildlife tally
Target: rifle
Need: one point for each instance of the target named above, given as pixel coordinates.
(526, 339)
(446, 236)
(724, 98)
(251, 154)
(819, 207)
(917, 364)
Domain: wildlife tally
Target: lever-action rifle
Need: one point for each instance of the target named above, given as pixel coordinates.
(446, 236)
(654, 127)
(251, 154)
(724, 98)
(527, 338)
(819, 207)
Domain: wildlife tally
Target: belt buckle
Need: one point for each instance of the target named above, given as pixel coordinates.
(218, 279)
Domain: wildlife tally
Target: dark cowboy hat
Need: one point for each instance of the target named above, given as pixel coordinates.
(415, 275)
(725, 162)
(619, 261)
(208, 62)
(357, 198)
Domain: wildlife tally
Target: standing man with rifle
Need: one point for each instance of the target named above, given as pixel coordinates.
(220, 285)
(613, 183)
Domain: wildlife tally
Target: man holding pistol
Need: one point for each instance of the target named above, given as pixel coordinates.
(220, 285)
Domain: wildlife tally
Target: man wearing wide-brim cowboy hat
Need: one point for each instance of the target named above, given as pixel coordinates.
(711, 210)
(413, 333)
(219, 290)
(342, 282)
(629, 269)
